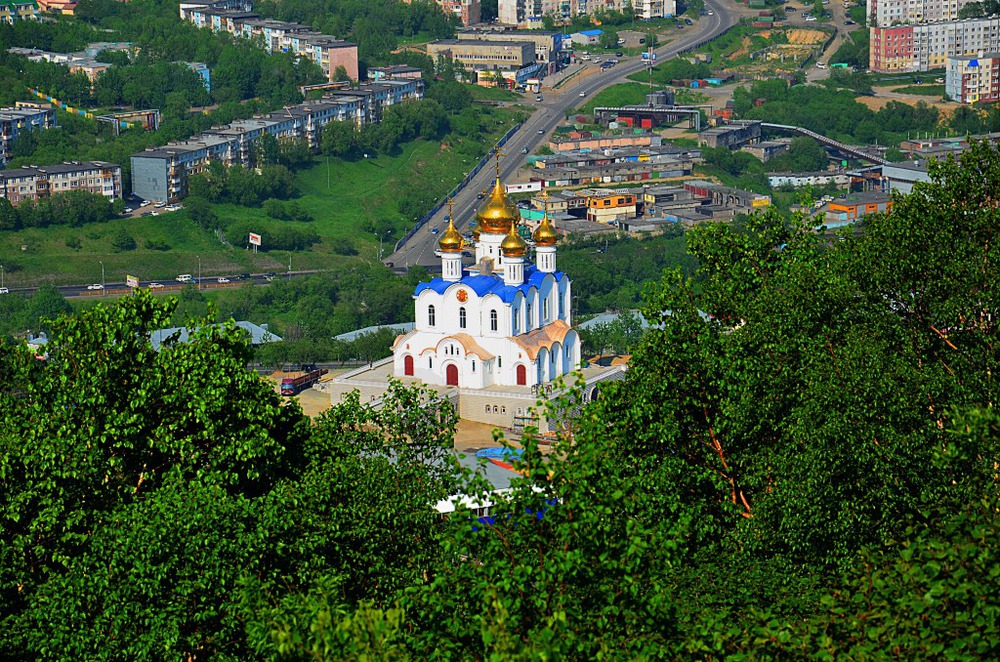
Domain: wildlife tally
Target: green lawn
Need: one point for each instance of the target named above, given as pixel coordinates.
(347, 199)
(623, 94)
(923, 90)
(480, 93)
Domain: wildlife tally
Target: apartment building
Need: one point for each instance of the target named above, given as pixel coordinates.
(529, 13)
(467, 12)
(162, 173)
(25, 116)
(902, 12)
(37, 182)
(18, 10)
(480, 54)
(973, 78)
(276, 36)
(912, 48)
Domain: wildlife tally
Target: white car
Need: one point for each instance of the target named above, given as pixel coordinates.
(95, 286)
(154, 286)
(4, 290)
(223, 280)
(810, 18)
(583, 94)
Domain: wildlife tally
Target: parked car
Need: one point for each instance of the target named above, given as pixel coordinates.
(538, 98)
(788, 9)
(810, 18)
(4, 290)
(619, 54)
(95, 286)
(939, 80)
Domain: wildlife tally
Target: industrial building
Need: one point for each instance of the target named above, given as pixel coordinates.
(482, 54)
(734, 134)
(548, 45)
(37, 182)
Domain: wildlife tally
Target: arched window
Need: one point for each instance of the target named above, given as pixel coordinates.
(431, 316)
(461, 317)
(430, 362)
(499, 361)
(545, 309)
(528, 322)
(493, 320)
(473, 366)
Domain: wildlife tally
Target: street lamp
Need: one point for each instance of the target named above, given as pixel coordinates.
(1, 276)
(199, 272)
(104, 291)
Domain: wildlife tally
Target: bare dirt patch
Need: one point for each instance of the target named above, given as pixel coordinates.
(801, 37)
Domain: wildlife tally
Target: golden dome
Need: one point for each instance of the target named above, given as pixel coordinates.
(512, 245)
(499, 213)
(451, 241)
(545, 233)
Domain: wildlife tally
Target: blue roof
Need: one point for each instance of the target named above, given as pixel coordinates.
(591, 33)
(483, 285)
(973, 63)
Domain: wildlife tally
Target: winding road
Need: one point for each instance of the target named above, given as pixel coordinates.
(419, 249)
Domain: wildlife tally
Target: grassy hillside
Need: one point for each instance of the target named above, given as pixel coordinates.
(348, 200)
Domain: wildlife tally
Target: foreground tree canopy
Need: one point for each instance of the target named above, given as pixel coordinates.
(802, 461)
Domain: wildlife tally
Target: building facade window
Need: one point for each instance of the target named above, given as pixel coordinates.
(493, 320)
(461, 318)
(431, 317)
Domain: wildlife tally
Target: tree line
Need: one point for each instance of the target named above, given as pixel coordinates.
(73, 208)
(799, 462)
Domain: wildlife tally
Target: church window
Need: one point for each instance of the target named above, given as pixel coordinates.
(473, 366)
(503, 410)
(493, 320)
(545, 309)
(499, 361)
(529, 322)
(430, 362)
(430, 315)
(487, 409)
(461, 317)
(562, 308)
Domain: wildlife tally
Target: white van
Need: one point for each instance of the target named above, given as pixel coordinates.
(821, 65)
(185, 278)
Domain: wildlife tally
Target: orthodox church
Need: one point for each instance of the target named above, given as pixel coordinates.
(501, 322)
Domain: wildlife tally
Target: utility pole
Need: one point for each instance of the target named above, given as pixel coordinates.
(199, 272)
(104, 291)
(289, 266)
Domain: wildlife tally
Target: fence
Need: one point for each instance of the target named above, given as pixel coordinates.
(455, 191)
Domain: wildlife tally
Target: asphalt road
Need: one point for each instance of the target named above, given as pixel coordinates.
(114, 289)
(551, 112)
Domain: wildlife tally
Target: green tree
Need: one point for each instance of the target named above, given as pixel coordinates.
(123, 241)
(339, 139)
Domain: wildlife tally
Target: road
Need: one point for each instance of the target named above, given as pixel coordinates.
(115, 289)
(419, 250)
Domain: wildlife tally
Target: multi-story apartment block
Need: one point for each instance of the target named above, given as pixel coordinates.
(24, 117)
(973, 78)
(18, 10)
(468, 12)
(276, 36)
(482, 54)
(909, 48)
(886, 13)
(37, 182)
(529, 13)
(162, 173)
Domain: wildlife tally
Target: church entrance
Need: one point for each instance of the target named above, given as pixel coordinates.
(408, 365)
(522, 375)
(451, 375)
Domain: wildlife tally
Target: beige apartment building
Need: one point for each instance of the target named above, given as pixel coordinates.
(482, 54)
(37, 182)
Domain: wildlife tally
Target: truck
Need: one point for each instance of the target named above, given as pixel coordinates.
(294, 385)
